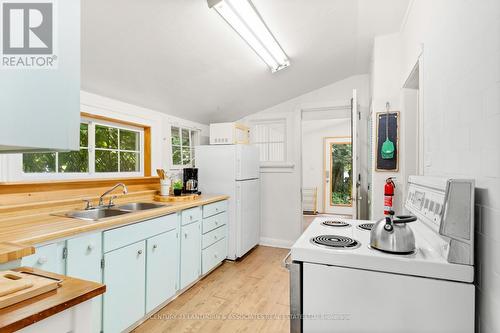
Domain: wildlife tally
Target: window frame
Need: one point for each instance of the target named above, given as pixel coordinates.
(91, 174)
(192, 144)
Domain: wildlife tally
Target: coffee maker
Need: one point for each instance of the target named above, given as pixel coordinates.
(190, 180)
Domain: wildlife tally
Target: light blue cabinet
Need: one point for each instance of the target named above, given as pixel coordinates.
(40, 107)
(143, 264)
(50, 257)
(125, 279)
(214, 238)
(190, 253)
(83, 261)
(84, 257)
(161, 268)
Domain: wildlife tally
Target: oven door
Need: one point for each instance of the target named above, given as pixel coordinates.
(295, 269)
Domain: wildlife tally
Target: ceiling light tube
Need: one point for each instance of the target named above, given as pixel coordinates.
(242, 16)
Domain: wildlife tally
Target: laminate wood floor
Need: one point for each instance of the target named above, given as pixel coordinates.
(250, 295)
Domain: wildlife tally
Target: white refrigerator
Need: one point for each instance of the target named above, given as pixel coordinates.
(234, 170)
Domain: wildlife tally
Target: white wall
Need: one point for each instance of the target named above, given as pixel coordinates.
(385, 87)
(11, 165)
(280, 187)
(461, 42)
(313, 162)
(461, 114)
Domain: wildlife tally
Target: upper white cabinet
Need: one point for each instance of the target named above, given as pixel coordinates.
(40, 76)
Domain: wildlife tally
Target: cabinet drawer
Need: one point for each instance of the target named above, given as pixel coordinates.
(120, 237)
(213, 236)
(214, 208)
(213, 255)
(212, 222)
(191, 215)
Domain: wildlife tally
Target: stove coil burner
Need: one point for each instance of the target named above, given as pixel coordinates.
(366, 226)
(335, 242)
(336, 223)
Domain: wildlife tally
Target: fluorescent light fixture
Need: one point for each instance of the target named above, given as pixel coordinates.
(246, 21)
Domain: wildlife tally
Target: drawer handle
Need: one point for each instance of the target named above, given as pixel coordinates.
(90, 247)
(42, 260)
(190, 217)
(215, 255)
(155, 247)
(139, 252)
(216, 209)
(216, 222)
(215, 236)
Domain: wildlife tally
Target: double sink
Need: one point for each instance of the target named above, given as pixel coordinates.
(99, 213)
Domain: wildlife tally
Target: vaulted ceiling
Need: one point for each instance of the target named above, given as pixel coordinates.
(179, 57)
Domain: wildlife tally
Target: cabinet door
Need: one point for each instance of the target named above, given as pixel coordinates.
(47, 257)
(40, 108)
(84, 262)
(161, 269)
(190, 253)
(124, 276)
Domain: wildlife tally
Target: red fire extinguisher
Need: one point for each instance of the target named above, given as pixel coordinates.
(388, 195)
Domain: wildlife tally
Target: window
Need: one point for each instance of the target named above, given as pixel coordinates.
(270, 137)
(104, 148)
(116, 149)
(183, 141)
(52, 162)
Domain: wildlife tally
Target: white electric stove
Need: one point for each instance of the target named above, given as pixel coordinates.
(340, 284)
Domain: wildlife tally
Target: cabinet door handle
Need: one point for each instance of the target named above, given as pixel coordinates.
(215, 255)
(42, 260)
(139, 252)
(155, 247)
(90, 247)
(185, 235)
(191, 217)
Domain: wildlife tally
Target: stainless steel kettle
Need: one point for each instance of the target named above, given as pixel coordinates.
(393, 235)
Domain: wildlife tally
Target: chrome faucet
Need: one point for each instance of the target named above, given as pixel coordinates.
(101, 198)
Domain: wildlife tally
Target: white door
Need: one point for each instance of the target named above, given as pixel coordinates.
(247, 215)
(355, 119)
(247, 162)
(338, 176)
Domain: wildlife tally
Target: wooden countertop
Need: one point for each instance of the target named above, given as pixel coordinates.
(18, 234)
(71, 292)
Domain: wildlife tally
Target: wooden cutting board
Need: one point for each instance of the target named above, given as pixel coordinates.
(19, 286)
(172, 198)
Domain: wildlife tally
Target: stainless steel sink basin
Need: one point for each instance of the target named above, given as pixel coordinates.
(96, 214)
(138, 206)
(100, 213)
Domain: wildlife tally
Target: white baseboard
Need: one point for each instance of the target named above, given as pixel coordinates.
(273, 242)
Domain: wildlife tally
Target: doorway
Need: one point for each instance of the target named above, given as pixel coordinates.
(338, 180)
(318, 124)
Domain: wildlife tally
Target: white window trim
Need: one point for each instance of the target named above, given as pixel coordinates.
(191, 145)
(91, 174)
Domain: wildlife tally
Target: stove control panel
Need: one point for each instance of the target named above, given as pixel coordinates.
(427, 204)
(446, 205)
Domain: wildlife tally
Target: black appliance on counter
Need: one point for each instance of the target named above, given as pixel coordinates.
(190, 180)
